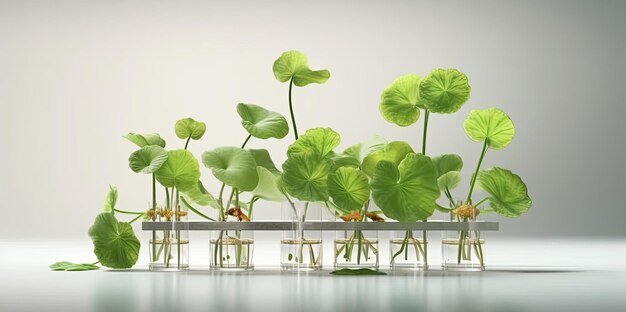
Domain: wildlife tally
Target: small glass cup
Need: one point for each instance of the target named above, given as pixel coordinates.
(463, 250)
(356, 249)
(301, 250)
(232, 250)
(169, 249)
(408, 250)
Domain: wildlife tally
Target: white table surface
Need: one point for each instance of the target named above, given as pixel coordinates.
(586, 274)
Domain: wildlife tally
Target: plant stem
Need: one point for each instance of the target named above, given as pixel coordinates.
(426, 114)
(252, 201)
(128, 212)
(177, 218)
(187, 142)
(154, 211)
(480, 202)
(473, 180)
(196, 211)
(293, 119)
(246, 141)
(136, 218)
(404, 242)
(221, 202)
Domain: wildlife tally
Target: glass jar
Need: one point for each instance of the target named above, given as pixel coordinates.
(232, 250)
(301, 250)
(463, 250)
(408, 250)
(169, 249)
(356, 249)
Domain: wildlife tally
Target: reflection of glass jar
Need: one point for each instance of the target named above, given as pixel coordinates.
(169, 249)
(356, 249)
(463, 250)
(301, 250)
(408, 250)
(232, 250)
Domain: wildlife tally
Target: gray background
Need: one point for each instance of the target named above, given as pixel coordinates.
(76, 75)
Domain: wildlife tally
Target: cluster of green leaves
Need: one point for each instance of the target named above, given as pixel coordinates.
(508, 195)
(244, 170)
(445, 91)
(442, 91)
(403, 184)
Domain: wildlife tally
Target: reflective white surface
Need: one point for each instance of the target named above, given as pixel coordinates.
(522, 275)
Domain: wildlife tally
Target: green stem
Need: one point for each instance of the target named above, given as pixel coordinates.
(128, 212)
(187, 142)
(480, 202)
(136, 218)
(177, 218)
(359, 242)
(449, 196)
(293, 118)
(221, 202)
(473, 180)
(196, 211)
(404, 242)
(167, 198)
(252, 201)
(426, 114)
(154, 211)
(246, 141)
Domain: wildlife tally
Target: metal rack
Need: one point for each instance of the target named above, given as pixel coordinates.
(321, 226)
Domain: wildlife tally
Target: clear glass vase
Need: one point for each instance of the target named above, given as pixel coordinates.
(463, 250)
(232, 250)
(408, 250)
(169, 249)
(301, 250)
(356, 249)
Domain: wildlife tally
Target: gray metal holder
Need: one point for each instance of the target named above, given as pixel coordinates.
(321, 226)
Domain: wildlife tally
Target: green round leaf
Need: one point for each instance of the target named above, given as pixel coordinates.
(232, 165)
(509, 195)
(110, 200)
(187, 127)
(262, 158)
(394, 152)
(408, 192)
(449, 180)
(305, 177)
(201, 196)
(492, 124)
(69, 266)
(400, 101)
(444, 91)
(318, 141)
(446, 163)
(262, 123)
(267, 188)
(361, 150)
(148, 159)
(115, 243)
(294, 64)
(349, 188)
(142, 140)
(180, 170)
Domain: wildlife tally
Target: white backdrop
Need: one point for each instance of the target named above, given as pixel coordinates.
(77, 75)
